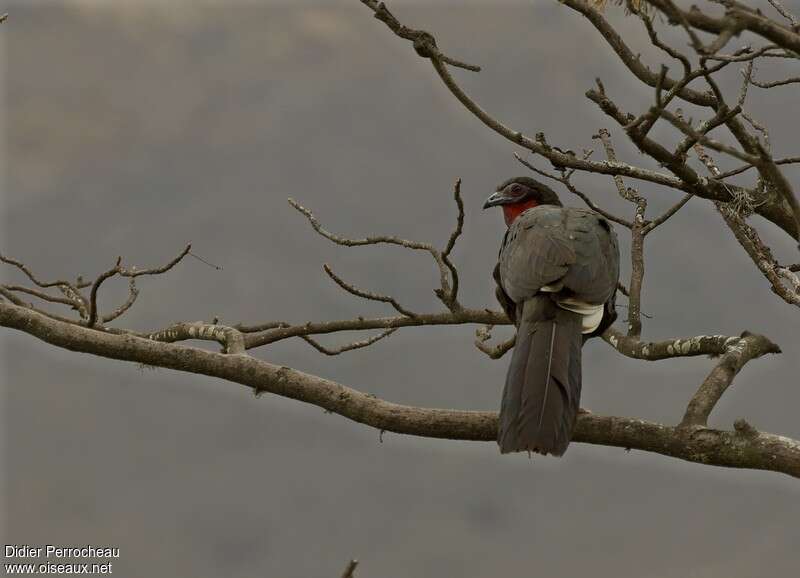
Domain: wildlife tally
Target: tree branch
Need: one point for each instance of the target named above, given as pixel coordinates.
(637, 241)
(444, 292)
(750, 346)
(701, 445)
(349, 346)
(352, 289)
(484, 334)
(231, 339)
(349, 571)
(282, 331)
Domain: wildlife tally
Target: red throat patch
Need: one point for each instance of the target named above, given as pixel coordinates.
(514, 210)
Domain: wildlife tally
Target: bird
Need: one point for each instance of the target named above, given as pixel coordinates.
(557, 275)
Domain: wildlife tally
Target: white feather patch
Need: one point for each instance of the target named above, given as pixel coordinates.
(554, 288)
(591, 314)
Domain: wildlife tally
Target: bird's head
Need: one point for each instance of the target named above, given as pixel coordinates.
(519, 194)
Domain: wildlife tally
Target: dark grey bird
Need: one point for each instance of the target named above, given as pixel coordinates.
(556, 279)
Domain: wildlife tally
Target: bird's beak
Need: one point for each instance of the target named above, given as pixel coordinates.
(498, 198)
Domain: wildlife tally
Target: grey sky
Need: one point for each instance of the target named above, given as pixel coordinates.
(133, 130)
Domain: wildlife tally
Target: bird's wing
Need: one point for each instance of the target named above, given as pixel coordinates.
(535, 253)
(570, 251)
(593, 276)
(502, 297)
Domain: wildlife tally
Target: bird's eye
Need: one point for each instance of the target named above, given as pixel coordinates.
(515, 188)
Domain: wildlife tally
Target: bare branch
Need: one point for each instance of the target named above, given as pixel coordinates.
(95, 287)
(13, 298)
(774, 83)
(555, 156)
(231, 340)
(29, 274)
(743, 168)
(79, 302)
(749, 346)
(424, 42)
(40, 294)
(20, 303)
(760, 254)
(444, 292)
(131, 273)
(637, 241)
(692, 440)
(688, 181)
(732, 214)
(737, 17)
(757, 450)
(747, 53)
(775, 212)
(484, 334)
(667, 214)
(350, 569)
(452, 297)
(631, 60)
(565, 180)
(134, 272)
(699, 135)
(785, 13)
(760, 128)
(366, 294)
(260, 337)
(133, 293)
(348, 347)
(635, 348)
(261, 327)
(648, 24)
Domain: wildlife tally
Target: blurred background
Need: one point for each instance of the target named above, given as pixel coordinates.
(132, 128)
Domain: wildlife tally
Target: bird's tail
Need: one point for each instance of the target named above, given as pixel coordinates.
(543, 385)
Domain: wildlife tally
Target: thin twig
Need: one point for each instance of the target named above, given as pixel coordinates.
(134, 272)
(133, 293)
(348, 347)
(750, 241)
(784, 12)
(28, 273)
(743, 168)
(648, 23)
(484, 334)
(452, 298)
(461, 317)
(667, 214)
(96, 287)
(637, 240)
(260, 327)
(565, 180)
(350, 288)
(774, 83)
(350, 569)
(760, 128)
(131, 273)
(230, 338)
(424, 42)
(444, 292)
(41, 295)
